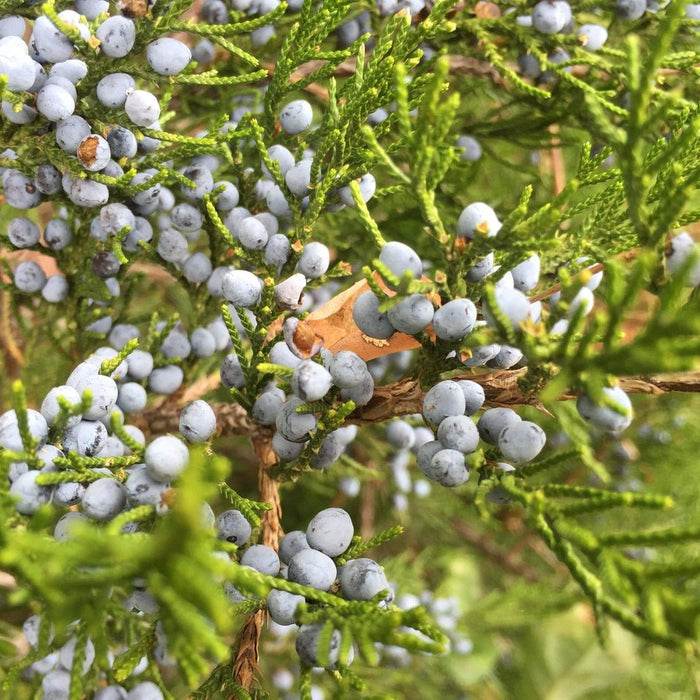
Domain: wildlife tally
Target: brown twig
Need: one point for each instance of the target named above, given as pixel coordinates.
(507, 560)
(164, 417)
(459, 65)
(7, 335)
(245, 666)
(557, 161)
(269, 492)
(501, 389)
(546, 554)
(406, 396)
(627, 256)
(368, 508)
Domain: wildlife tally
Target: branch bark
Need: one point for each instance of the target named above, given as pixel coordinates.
(397, 399)
(269, 491)
(245, 666)
(501, 389)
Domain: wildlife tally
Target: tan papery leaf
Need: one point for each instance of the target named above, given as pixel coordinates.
(334, 322)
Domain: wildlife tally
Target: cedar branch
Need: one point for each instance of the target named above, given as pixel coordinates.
(246, 663)
(405, 397)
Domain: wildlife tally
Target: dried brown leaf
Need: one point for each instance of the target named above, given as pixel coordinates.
(333, 321)
(487, 10)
